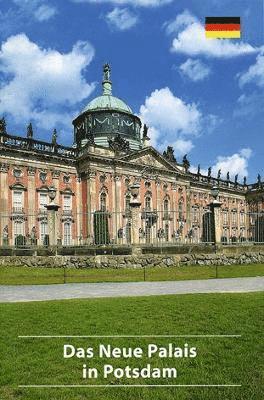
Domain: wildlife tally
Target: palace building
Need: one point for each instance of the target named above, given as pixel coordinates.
(90, 183)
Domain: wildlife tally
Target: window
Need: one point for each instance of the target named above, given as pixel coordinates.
(242, 218)
(166, 206)
(195, 214)
(67, 203)
(225, 218)
(17, 200)
(234, 217)
(67, 234)
(180, 211)
(43, 201)
(43, 232)
(103, 202)
(18, 228)
(148, 203)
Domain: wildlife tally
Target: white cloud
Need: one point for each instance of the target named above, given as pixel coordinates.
(250, 105)
(45, 12)
(235, 164)
(121, 18)
(255, 73)
(182, 146)
(142, 3)
(42, 84)
(195, 70)
(191, 40)
(40, 9)
(170, 120)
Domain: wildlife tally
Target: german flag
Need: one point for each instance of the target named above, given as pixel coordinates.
(222, 28)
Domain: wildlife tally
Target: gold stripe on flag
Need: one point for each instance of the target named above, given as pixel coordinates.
(223, 34)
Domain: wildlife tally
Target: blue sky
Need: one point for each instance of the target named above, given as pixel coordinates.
(203, 96)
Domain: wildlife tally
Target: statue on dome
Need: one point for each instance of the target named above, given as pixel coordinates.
(107, 72)
(145, 131)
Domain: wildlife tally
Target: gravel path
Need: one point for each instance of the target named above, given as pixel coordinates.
(95, 290)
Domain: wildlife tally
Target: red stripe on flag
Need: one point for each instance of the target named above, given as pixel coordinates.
(223, 27)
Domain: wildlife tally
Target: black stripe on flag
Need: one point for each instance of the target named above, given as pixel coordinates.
(222, 20)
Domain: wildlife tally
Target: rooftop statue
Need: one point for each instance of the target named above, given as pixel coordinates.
(199, 169)
(228, 176)
(209, 172)
(236, 178)
(54, 137)
(3, 126)
(219, 174)
(169, 154)
(30, 131)
(186, 163)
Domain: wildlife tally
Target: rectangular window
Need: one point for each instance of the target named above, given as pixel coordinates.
(67, 234)
(242, 218)
(18, 228)
(43, 201)
(43, 231)
(234, 217)
(17, 200)
(67, 203)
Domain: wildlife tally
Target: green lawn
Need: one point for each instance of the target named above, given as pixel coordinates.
(219, 360)
(27, 276)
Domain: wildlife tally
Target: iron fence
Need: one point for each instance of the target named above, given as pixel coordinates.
(102, 228)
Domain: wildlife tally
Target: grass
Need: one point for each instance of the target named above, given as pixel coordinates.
(219, 360)
(30, 276)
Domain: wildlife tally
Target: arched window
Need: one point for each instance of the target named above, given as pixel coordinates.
(148, 203)
(166, 206)
(180, 211)
(103, 201)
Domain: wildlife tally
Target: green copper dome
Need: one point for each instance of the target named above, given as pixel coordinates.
(107, 102)
(107, 118)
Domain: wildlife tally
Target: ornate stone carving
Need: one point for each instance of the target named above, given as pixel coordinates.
(118, 144)
(55, 174)
(4, 167)
(31, 171)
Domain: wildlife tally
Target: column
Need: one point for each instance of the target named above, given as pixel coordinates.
(53, 223)
(215, 208)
